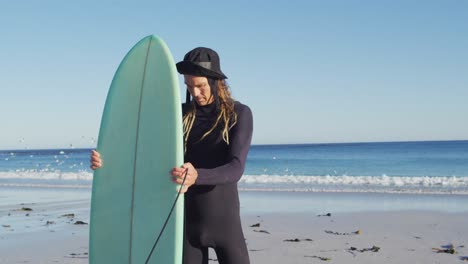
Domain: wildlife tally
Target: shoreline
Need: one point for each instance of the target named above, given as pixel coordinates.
(253, 201)
(83, 186)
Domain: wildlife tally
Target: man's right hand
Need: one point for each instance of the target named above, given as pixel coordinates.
(96, 161)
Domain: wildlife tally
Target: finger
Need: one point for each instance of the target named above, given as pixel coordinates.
(175, 173)
(96, 159)
(183, 176)
(180, 180)
(178, 170)
(182, 172)
(96, 163)
(186, 165)
(176, 180)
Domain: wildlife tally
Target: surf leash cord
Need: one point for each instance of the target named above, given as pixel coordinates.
(168, 217)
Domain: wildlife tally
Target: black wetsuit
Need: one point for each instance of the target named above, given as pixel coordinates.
(212, 205)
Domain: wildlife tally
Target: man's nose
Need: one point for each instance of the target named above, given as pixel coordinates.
(195, 92)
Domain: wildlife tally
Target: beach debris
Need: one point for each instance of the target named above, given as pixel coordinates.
(297, 240)
(49, 223)
(327, 214)
(255, 250)
(68, 215)
(27, 209)
(358, 232)
(6, 226)
(79, 256)
(262, 231)
(255, 225)
(449, 249)
(318, 257)
(445, 250)
(372, 249)
(26, 214)
(417, 237)
(80, 223)
(464, 258)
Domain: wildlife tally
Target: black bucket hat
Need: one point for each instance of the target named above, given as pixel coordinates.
(201, 62)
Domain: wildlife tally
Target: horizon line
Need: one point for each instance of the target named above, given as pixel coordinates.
(273, 144)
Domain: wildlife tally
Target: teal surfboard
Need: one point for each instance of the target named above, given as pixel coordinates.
(140, 141)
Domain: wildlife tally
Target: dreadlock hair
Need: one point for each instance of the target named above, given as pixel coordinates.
(224, 109)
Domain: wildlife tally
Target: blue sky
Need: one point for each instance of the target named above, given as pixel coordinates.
(312, 71)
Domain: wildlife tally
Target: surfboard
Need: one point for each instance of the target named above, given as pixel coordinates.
(140, 141)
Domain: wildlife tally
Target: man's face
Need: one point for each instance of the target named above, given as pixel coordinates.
(199, 89)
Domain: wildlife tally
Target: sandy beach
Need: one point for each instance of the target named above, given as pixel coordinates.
(373, 237)
(44, 226)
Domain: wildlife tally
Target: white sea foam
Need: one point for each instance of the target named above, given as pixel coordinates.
(24, 175)
(380, 184)
(344, 183)
(384, 180)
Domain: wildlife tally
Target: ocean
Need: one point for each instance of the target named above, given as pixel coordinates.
(429, 167)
